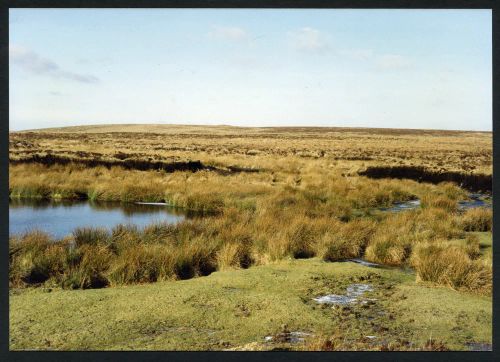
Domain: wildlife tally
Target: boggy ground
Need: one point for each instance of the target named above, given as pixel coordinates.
(304, 199)
(238, 309)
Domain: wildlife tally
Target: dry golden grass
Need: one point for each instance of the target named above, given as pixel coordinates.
(450, 265)
(305, 200)
(350, 148)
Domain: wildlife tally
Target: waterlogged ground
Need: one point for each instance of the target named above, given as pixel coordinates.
(60, 218)
(276, 306)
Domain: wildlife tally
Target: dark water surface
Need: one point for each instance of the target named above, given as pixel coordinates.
(60, 218)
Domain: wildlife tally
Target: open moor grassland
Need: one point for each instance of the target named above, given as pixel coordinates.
(269, 198)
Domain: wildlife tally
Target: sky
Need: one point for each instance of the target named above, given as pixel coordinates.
(250, 67)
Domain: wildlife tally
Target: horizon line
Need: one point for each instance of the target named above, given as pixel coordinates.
(237, 126)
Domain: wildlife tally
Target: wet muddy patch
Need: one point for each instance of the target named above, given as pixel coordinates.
(358, 290)
(353, 294)
(362, 307)
(476, 346)
(291, 337)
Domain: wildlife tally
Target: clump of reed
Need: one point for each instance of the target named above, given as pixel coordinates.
(440, 202)
(382, 193)
(397, 234)
(349, 241)
(478, 219)
(472, 246)
(451, 265)
(236, 240)
(90, 236)
(451, 191)
(300, 237)
(142, 263)
(95, 258)
(33, 258)
(90, 262)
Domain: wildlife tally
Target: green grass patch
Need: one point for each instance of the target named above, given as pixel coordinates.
(237, 309)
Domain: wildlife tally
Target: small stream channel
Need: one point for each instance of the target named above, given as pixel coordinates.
(475, 200)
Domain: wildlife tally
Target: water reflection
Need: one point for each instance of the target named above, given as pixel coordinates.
(60, 218)
(127, 208)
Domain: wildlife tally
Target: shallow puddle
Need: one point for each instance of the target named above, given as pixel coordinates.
(353, 292)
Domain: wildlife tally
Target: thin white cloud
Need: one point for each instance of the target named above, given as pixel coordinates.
(393, 61)
(309, 40)
(231, 33)
(33, 63)
(357, 54)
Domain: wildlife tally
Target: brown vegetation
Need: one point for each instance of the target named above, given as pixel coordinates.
(354, 148)
(450, 265)
(306, 200)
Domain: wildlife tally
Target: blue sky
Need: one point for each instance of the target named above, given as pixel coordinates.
(360, 68)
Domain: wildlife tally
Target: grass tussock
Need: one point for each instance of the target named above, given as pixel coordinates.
(141, 264)
(94, 258)
(477, 220)
(349, 241)
(295, 224)
(34, 259)
(452, 266)
(89, 263)
(90, 236)
(397, 234)
(440, 202)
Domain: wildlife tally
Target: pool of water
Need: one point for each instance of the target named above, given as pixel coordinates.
(60, 218)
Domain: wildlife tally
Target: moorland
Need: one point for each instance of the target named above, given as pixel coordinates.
(285, 216)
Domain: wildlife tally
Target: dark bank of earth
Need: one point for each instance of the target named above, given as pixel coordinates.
(471, 182)
(129, 164)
